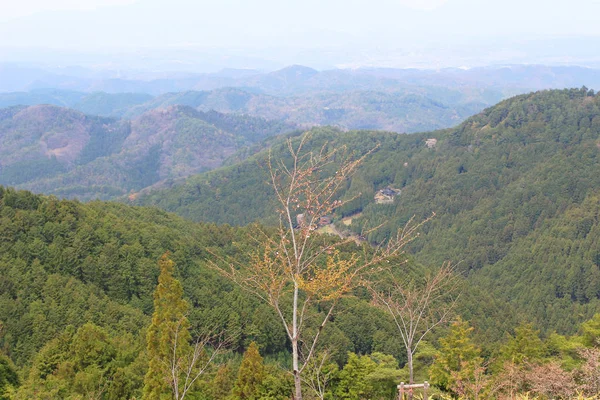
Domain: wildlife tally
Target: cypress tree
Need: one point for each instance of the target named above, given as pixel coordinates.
(168, 318)
(251, 374)
(458, 357)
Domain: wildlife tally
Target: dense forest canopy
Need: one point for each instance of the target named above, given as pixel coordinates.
(71, 269)
(76, 296)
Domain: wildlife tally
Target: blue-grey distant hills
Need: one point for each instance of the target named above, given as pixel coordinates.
(399, 100)
(95, 103)
(406, 110)
(296, 79)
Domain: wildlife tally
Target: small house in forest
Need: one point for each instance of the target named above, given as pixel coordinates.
(386, 195)
(431, 143)
(325, 220)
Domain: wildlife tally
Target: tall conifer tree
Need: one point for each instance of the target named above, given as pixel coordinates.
(458, 358)
(251, 374)
(168, 333)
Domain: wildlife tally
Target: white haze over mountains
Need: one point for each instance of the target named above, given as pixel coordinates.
(207, 35)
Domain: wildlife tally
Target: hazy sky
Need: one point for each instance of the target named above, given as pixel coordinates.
(336, 32)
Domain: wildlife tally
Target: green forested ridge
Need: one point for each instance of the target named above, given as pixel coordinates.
(71, 269)
(76, 297)
(505, 185)
(56, 150)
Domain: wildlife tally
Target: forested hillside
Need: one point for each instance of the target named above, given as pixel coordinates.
(506, 185)
(76, 293)
(514, 189)
(56, 150)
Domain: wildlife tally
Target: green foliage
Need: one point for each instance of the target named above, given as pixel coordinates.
(64, 263)
(353, 382)
(8, 376)
(76, 291)
(457, 359)
(88, 363)
(525, 346)
(250, 375)
(566, 349)
(591, 331)
(168, 336)
(277, 385)
(373, 377)
(223, 382)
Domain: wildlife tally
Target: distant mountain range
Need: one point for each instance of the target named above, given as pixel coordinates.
(404, 111)
(60, 151)
(96, 103)
(296, 80)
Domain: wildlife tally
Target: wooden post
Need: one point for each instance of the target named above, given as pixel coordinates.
(404, 388)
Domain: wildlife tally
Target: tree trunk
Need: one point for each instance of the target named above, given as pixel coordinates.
(297, 381)
(295, 354)
(410, 372)
(297, 386)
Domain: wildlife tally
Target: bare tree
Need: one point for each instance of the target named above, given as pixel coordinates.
(418, 307)
(186, 368)
(296, 268)
(319, 373)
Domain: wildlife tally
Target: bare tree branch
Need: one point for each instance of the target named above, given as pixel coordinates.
(418, 308)
(186, 369)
